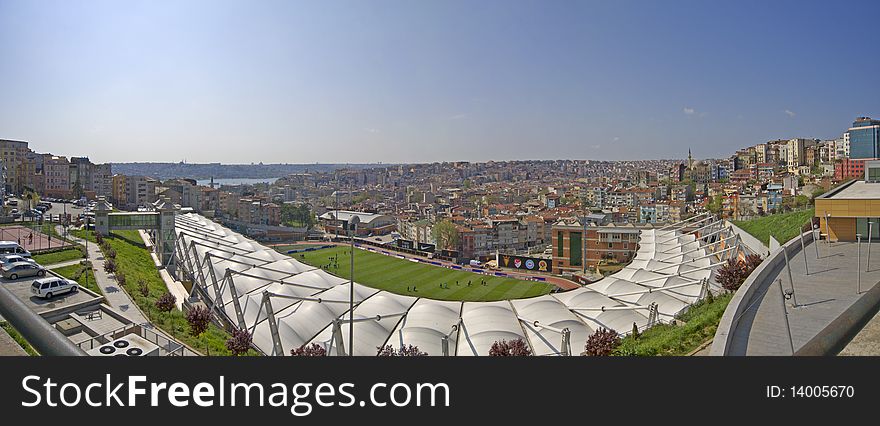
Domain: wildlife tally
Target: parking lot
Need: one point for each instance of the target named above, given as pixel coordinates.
(21, 288)
(55, 212)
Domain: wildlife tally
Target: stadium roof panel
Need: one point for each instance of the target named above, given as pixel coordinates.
(668, 272)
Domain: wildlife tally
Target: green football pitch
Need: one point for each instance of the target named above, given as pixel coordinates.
(420, 280)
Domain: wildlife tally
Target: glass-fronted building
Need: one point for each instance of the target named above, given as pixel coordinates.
(864, 138)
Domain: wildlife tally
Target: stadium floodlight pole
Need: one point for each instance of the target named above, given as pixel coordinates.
(352, 226)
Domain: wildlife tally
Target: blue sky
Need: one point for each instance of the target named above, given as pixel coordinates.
(423, 81)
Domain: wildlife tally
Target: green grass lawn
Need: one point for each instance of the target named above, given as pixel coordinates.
(701, 321)
(134, 261)
(783, 226)
(19, 338)
(71, 253)
(395, 275)
(83, 274)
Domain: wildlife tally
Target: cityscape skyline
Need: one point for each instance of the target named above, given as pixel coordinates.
(234, 83)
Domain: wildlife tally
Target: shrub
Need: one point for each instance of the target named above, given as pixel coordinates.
(198, 319)
(733, 274)
(516, 347)
(166, 302)
(110, 253)
(110, 266)
(239, 343)
(143, 288)
(601, 343)
(83, 251)
(311, 350)
(408, 350)
(99, 238)
(120, 278)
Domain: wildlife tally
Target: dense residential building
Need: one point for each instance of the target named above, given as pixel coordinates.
(139, 191)
(56, 172)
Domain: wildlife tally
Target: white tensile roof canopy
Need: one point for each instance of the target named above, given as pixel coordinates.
(287, 304)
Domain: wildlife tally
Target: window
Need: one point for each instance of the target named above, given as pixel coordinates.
(559, 244)
(575, 250)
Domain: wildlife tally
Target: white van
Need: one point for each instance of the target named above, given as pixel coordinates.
(12, 247)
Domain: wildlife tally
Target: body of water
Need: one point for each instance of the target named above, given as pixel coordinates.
(235, 181)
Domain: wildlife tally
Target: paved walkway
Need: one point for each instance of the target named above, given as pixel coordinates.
(115, 296)
(824, 294)
(63, 264)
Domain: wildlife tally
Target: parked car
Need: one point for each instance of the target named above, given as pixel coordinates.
(48, 287)
(18, 270)
(12, 247)
(9, 259)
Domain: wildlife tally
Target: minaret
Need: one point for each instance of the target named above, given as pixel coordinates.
(690, 160)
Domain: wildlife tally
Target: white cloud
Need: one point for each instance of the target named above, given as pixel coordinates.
(456, 117)
(596, 146)
(616, 138)
(371, 130)
(790, 113)
(692, 112)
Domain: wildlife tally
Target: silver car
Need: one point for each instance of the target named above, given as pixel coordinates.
(18, 270)
(14, 258)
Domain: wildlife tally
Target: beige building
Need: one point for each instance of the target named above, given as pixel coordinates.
(56, 174)
(12, 154)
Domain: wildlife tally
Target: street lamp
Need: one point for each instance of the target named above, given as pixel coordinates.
(870, 232)
(352, 226)
(859, 269)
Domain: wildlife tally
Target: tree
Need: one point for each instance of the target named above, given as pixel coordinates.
(407, 350)
(198, 318)
(751, 262)
(240, 342)
(733, 274)
(515, 347)
(445, 234)
(715, 204)
(311, 350)
(601, 343)
(166, 302)
(300, 215)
